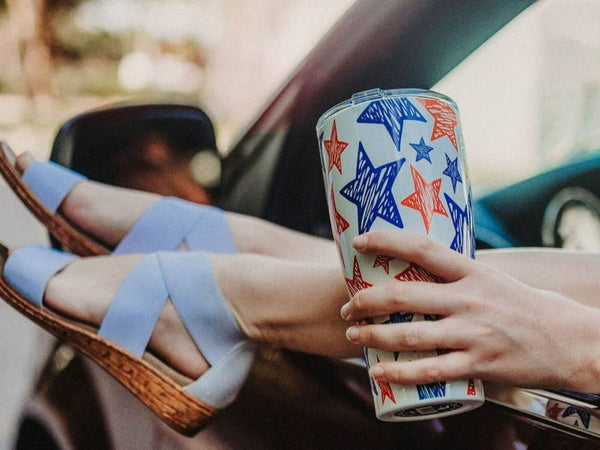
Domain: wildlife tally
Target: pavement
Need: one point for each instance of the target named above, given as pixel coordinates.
(18, 358)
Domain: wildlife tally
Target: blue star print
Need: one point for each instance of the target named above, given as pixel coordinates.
(371, 191)
(470, 219)
(399, 318)
(422, 150)
(432, 390)
(452, 171)
(583, 415)
(391, 112)
(460, 220)
(373, 387)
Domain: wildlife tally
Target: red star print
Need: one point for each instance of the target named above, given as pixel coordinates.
(356, 283)
(426, 198)
(340, 223)
(471, 387)
(385, 388)
(444, 119)
(416, 273)
(334, 150)
(383, 261)
(554, 411)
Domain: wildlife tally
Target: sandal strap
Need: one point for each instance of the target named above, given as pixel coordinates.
(51, 182)
(211, 232)
(220, 385)
(29, 268)
(187, 279)
(165, 226)
(135, 308)
(200, 303)
(171, 222)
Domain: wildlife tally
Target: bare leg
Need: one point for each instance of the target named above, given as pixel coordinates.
(108, 212)
(294, 305)
(283, 303)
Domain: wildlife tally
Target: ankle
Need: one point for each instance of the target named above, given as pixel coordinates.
(239, 294)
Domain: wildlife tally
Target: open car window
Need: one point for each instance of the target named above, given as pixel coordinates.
(529, 97)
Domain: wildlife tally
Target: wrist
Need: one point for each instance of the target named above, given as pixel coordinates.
(589, 379)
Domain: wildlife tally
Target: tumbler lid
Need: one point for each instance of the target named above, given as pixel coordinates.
(376, 94)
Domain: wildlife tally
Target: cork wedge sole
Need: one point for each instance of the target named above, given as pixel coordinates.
(69, 236)
(160, 393)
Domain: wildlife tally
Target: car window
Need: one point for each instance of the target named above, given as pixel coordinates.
(529, 98)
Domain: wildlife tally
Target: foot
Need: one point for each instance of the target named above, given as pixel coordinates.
(108, 213)
(84, 290)
(282, 303)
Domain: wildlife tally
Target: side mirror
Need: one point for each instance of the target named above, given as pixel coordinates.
(106, 143)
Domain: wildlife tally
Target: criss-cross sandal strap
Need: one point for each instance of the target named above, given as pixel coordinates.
(51, 182)
(165, 226)
(171, 222)
(199, 302)
(187, 279)
(136, 307)
(134, 310)
(202, 308)
(185, 408)
(211, 232)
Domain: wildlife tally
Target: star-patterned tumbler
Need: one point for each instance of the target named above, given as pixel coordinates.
(394, 160)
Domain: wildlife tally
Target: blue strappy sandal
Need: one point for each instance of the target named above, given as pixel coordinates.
(165, 226)
(186, 279)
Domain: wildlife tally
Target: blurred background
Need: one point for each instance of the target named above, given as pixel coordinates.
(61, 57)
(538, 78)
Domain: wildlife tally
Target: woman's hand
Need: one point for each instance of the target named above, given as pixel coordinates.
(495, 327)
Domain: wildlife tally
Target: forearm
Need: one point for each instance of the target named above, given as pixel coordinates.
(575, 275)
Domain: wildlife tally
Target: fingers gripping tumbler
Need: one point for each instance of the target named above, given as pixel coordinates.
(394, 160)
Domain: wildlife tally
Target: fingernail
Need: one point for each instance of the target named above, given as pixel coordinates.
(359, 241)
(376, 372)
(352, 333)
(345, 310)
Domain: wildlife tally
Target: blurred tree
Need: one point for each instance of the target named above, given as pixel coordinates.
(32, 24)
